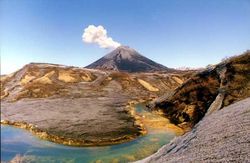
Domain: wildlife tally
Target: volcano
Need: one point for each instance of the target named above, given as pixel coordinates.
(127, 59)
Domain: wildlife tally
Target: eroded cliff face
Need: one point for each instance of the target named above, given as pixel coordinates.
(207, 91)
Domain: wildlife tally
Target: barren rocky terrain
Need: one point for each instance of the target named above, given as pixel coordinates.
(79, 106)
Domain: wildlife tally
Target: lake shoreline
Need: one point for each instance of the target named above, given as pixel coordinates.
(81, 143)
(139, 122)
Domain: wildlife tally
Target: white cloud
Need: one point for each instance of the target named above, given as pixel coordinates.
(98, 35)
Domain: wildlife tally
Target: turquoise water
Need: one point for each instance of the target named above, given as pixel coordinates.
(15, 141)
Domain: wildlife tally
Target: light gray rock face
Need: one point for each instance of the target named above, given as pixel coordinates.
(216, 105)
(127, 59)
(222, 136)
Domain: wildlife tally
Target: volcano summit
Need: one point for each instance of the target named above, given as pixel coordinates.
(127, 59)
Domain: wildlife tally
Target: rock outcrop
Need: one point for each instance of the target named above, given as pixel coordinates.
(222, 136)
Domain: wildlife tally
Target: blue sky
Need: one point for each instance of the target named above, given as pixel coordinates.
(175, 33)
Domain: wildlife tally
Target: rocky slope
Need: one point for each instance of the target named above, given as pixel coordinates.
(207, 91)
(79, 106)
(222, 136)
(40, 80)
(127, 59)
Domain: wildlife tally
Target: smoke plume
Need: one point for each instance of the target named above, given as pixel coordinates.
(98, 35)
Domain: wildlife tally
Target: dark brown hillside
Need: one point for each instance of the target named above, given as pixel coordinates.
(207, 91)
